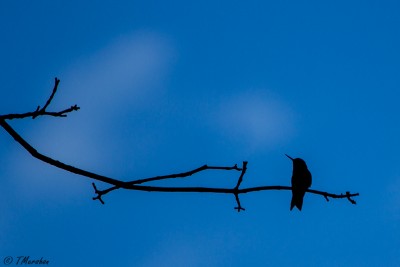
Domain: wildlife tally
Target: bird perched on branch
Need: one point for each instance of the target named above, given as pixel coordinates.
(301, 181)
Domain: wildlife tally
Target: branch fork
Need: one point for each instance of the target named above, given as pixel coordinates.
(43, 111)
(236, 188)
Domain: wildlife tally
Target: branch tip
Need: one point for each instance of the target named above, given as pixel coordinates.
(352, 201)
(99, 194)
(95, 188)
(239, 209)
(239, 206)
(99, 198)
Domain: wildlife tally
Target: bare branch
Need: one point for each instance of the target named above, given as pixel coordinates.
(136, 184)
(348, 195)
(42, 111)
(184, 174)
(54, 162)
(99, 194)
(244, 169)
(239, 206)
(236, 192)
(236, 188)
(130, 185)
(56, 82)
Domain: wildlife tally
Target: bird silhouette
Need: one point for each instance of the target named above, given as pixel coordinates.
(301, 181)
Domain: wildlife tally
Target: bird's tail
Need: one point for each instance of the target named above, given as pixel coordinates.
(297, 199)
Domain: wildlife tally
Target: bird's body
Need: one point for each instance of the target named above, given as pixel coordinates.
(301, 181)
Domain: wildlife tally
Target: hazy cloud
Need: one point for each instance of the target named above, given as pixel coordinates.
(255, 118)
(127, 69)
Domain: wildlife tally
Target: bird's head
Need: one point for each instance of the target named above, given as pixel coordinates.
(297, 162)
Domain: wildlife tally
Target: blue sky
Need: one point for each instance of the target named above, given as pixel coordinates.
(166, 87)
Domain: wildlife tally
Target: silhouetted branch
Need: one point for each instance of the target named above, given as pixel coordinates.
(56, 82)
(185, 174)
(236, 189)
(99, 194)
(236, 192)
(42, 111)
(239, 206)
(54, 162)
(136, 184)
(240, 180)
(131, 184)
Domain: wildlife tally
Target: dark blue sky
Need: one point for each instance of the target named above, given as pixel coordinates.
(166, 87)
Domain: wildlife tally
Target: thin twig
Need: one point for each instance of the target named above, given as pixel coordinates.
(236, 188)
(239, 206)
(184, 174)
(131, 184)
(56, 82)
(240, 180)
(42, 111)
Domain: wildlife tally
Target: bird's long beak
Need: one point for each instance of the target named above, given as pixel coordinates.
(289, 156)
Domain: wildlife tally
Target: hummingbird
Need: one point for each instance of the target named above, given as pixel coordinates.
(301, 181)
